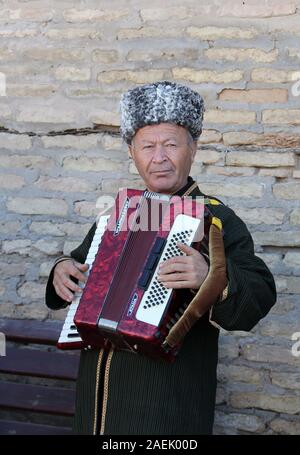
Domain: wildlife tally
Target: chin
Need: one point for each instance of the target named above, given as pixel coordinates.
(162, 185)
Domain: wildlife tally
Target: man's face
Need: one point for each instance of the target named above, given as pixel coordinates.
(163, 155)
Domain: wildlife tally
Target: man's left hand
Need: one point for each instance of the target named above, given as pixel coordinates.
(187, 271)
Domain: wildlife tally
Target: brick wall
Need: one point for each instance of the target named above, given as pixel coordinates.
(65, 64)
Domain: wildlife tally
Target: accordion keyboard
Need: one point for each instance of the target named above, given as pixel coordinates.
(156, 297)
(69, 334)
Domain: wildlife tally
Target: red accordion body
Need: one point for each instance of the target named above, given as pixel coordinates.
(122, 302)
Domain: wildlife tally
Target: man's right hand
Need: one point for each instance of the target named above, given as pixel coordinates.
(62, 281)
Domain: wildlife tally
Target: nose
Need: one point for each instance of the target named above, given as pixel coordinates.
(159, 154)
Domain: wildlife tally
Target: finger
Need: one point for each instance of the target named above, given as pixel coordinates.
(82, 267)
(64, 293)
(76, 273)
(174, 277)
(188, 250)
(179, 284)
(176, 267)
(69, 284)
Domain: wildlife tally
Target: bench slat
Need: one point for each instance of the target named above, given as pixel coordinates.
(32, 362)
(36, 398)
(31, 331)
(8, 427)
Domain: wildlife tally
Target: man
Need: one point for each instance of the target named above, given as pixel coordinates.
(122, 393)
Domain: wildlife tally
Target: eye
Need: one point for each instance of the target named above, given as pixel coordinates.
(171, 145)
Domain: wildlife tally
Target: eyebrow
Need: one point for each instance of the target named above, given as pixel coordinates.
(144, 141)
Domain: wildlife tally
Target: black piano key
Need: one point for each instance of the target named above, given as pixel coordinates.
(158, 245)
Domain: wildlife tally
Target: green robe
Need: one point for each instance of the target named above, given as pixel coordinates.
(126, 393)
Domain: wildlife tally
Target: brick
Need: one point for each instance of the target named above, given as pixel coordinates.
(105, 56)
(65, 184)
(295, 217)
(38, 206)
(282, 426)
(278, 116)
(112, 186)
(104, 117)
(133, 169)
(15, 141)
(272, 260)
(27, 311)
(54, 54)
(276, 328)
(228, 350)
(6, 55)
(254, 96)
(50, 247)
(112, 142)
(296, 174)
(260, 159)
(261, 215)
(286, 238)
(149, 32)
(256, 9)
(93, 164)
(201, 76)
(19, 33)
(12, 269)
(31, 89)
(5, 111)
(288, 285)
(292, 259)
(274, 76)
(60, 229)
(31, 290)
(71, 141)
(38, 114)
(32, 13)
(10, 226)
(233, 190)
(288, 403)
(74, 15)
(279, 172)
(87, 209)
(286, 190)
(230, 170)
(163, 14)
(210, 136)
(20, 246)
(286, 380)
(284, 305)
(244, 422)
(240, 55)
(238, 373)
(69, 246)
(26, 161)
(229, 116)
(45, 269)
(10, 181)
(138, 76)
(208, 156)
(214, 33)
(162, 54)
(71, 73)
(272, 140)
(269, 354)
(294, 52)
(2, 288)
(73, 33)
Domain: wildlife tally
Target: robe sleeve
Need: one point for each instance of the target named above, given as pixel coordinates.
(251, 287)
(53, 301)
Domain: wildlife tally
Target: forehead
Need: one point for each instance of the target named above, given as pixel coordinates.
(162, 131)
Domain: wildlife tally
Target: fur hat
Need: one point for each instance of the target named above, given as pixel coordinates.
(161, 102)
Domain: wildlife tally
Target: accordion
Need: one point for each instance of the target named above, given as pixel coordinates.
(122, 303)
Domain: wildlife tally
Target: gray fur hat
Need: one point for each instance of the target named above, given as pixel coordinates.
(161, 102)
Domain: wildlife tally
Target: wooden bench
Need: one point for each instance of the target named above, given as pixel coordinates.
(37, 381)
